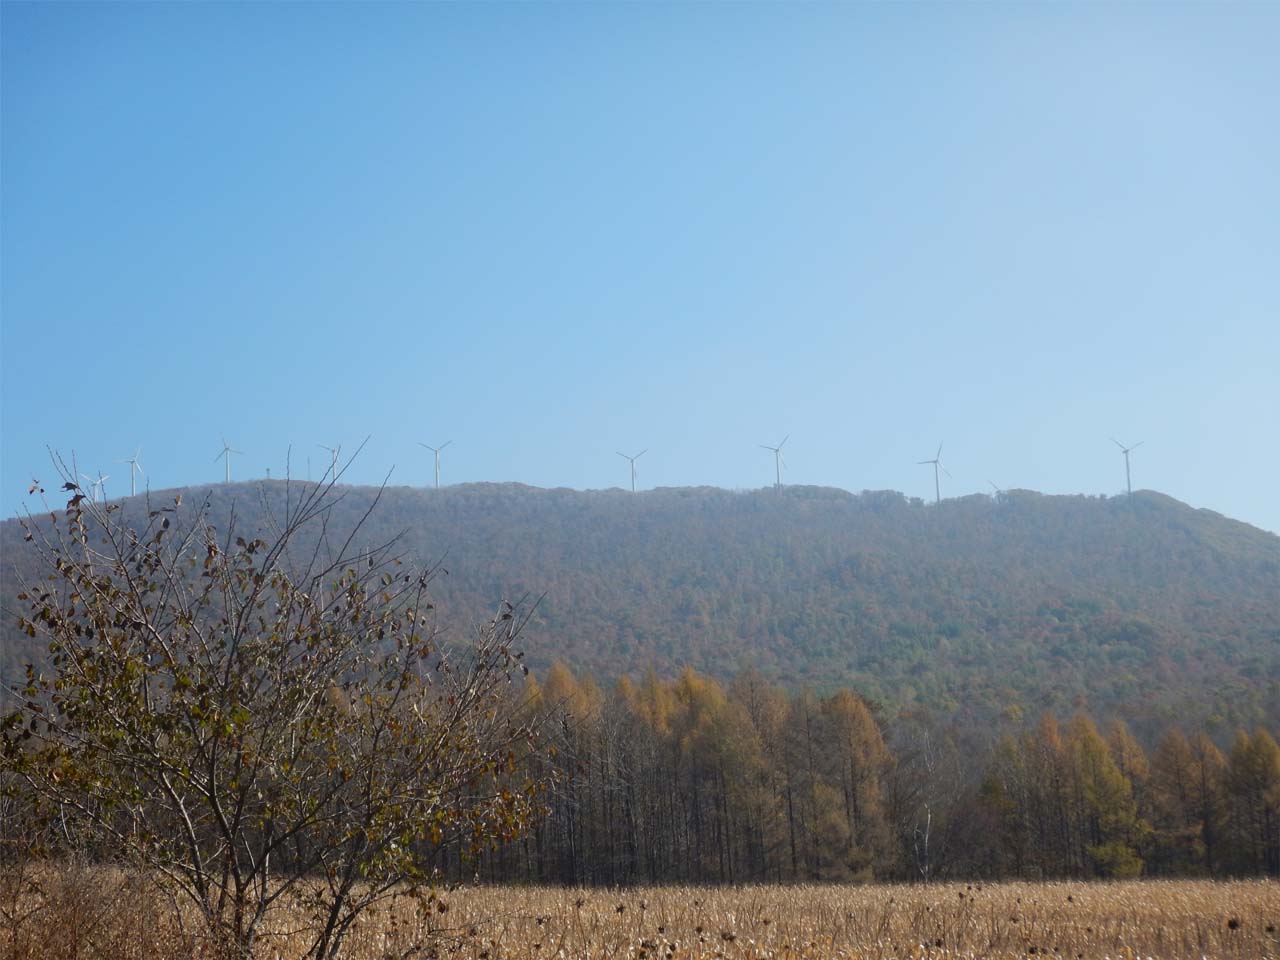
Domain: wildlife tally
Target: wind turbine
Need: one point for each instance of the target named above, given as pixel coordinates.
(334, 452)
(632, 461)
(436, 451)
(937, 465)
(227, 451)
(135, 468)
(97, 488)
(778, 462)
(1128, 482)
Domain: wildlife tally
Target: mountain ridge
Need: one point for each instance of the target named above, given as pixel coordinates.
(1137, 605)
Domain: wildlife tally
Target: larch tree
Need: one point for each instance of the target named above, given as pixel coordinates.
(1253, 790)
(1179, 846)
(857, 752)
(1209, 783)
(1109, 827)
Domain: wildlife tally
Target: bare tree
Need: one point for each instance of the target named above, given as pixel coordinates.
(267, 721)
(929, 787)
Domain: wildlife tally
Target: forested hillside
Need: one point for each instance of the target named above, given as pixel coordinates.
(1139, 607)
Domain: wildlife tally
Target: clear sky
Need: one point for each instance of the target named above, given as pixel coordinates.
(548, 232)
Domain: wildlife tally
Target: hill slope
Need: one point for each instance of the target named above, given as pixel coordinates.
(1140, 606)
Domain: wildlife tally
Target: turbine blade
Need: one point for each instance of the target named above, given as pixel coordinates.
(1137, 445)
(945, 470)
(445, 444)
(642, 453)
(1117, 443)
(784, 441)
(939, 453)
(421, 444)
(622, 455)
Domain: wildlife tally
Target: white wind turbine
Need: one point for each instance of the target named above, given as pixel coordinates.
(778, 462)
(632, 461)
(97, 488)
(436, 451)
(135, 468)
(334, 453)
(1128, 482)
(937, 465)
(227, 451)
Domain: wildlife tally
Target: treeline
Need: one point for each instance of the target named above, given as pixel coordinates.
(691, 781)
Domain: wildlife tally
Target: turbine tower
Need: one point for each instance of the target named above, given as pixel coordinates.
(1128, 481)
(334, 453)
(135, 468)
(227, 451)
(632, 461)
(778, 462)
(937, 466)
(436, 451)
(97, 488)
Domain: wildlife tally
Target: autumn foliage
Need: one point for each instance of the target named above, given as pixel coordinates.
(691, 781)
(258, 720)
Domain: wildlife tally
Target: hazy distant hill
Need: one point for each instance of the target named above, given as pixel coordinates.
(1142, 606)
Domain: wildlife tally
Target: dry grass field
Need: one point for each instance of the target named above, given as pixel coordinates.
(105, 915)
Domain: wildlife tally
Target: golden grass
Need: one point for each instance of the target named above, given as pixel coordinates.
(1169, 920)
(1138, 919)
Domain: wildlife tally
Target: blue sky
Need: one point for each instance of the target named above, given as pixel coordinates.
(550, 232)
